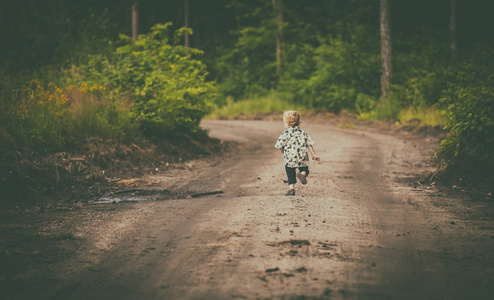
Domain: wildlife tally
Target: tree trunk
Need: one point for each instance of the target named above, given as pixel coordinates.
(452, 27)
(237, 17)
(386, 54)
(135, 22)
(186, 22)
(279, 33)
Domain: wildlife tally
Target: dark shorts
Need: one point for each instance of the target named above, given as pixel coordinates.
(291, 173)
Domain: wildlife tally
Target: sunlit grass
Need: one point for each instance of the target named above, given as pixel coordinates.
(41, 115)
(94, 114)
(388, 111)
(346, 125)
(420, 116)
(267, 104)
(423, 116)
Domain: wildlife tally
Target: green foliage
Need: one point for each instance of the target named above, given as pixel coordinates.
(388, 110)
(258, 105)
(167, 84)
(469, 108)
(248, 68)
(420, 88)
(145, 86)
(336, 75)
(420, 72)
(95, 35)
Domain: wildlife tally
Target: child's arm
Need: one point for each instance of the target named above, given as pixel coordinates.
(313, 152)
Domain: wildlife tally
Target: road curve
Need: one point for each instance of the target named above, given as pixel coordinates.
(357, 230)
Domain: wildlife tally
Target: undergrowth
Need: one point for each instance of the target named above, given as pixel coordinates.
(421, 116)
(256, 105)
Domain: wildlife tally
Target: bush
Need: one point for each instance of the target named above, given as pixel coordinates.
(145, 86)
(469, 109)
(420, 88)
(340, 76)
(167, 84)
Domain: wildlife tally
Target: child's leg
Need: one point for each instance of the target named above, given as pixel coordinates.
(302, 175)
(292, 177)
(304, 171)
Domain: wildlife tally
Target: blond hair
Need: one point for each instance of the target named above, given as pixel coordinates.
(291, 118)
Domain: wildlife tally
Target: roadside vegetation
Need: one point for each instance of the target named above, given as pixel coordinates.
(85, 77)
(143, 89)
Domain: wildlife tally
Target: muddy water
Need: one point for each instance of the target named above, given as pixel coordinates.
(135, 195)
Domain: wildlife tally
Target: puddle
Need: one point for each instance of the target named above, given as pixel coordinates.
(133, 196)
(197, 195)
(291, 242)
(138, 195)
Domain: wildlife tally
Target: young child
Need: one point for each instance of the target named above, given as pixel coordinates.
(295, 144)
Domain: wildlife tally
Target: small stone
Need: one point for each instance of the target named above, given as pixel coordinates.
(271, 270)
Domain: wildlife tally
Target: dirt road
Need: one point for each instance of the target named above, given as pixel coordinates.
(223, 229)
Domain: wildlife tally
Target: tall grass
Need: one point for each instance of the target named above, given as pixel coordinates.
(424, 116)
(33, 113)
(420, 115)
(96, 113)
(382, 111)
(39, 115)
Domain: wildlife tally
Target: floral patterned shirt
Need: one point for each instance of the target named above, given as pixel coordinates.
(295, 142)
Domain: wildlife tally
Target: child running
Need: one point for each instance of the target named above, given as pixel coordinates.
(295, 144)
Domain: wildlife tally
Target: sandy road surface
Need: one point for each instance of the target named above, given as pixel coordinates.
(357, 230)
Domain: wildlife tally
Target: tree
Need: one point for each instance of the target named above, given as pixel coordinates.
(279, 32)
(186, 22)
(386, 54)
(452, 27)
(135, 21)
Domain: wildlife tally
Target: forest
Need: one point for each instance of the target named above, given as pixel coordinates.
(132, 70)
